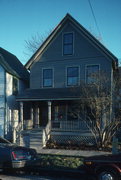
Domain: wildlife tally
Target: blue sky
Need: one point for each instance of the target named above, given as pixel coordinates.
(22, 19)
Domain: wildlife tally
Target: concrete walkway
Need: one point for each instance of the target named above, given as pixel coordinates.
(73, 152)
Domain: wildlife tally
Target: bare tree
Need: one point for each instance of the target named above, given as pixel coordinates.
(96, 108)
(35, 42)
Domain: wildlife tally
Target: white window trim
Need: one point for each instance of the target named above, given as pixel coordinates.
(44, 87)
(73, 43)
(78, 83)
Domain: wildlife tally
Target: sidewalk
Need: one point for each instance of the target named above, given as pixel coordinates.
(73, 152)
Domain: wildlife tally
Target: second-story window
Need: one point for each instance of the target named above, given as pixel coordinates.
(92, 74)
(47, 77)
(72, 76)
(68, 44)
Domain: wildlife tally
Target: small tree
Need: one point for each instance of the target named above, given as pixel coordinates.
(95, 108)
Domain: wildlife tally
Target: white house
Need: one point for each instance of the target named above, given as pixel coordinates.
(14, 79)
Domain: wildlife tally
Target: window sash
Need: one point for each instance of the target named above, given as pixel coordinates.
(47, 77)
(72, 76)
(68, 44)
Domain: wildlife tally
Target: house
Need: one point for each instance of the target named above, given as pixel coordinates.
(14, 78)
(64, 59)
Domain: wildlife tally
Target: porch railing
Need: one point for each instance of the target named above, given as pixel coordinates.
(72, 125)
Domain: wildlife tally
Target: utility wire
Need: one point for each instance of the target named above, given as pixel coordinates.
(94, 18)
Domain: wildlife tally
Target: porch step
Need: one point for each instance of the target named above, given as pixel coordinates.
(32, 139)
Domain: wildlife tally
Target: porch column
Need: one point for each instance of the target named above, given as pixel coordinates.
(21, 115)
(49, 111)
(13, 125)
(36, 115)
(31, 115)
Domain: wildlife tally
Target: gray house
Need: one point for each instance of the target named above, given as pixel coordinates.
(65, 58)
(14, 78)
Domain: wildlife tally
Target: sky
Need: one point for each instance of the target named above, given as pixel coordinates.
(22, 19)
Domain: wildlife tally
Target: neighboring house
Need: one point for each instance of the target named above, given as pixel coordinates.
(64, 60)
(14, 78)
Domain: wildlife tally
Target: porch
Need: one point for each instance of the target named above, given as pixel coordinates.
(52, 119)
(50, 115)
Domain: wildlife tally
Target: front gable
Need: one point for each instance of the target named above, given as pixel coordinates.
(85, 45)
(82, 47)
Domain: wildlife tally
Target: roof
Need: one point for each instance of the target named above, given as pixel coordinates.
(86, 33)
(12, 65)
(54, 94)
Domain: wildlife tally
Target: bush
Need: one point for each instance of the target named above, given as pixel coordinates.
(59, 161)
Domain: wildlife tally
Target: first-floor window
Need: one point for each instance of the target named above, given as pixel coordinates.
(72, 76)
(47, 77)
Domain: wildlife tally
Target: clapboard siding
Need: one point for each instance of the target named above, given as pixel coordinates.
(85, 53)
(60, 70)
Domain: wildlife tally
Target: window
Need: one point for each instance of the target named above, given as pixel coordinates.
(47, 77)
(68, 44)
(72, 76)
(92, 74)
(71, 116)
(15, 86)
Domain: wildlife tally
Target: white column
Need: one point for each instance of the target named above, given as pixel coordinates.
(32, 119)
(21, 115)
(49, 111)
(13, 124)
(37, 115)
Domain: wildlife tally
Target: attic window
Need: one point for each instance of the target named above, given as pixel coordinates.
(68, 44)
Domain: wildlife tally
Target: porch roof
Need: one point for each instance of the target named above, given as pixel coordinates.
(49, 94)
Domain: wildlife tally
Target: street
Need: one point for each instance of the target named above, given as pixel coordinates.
(35, 177)
(30, 177)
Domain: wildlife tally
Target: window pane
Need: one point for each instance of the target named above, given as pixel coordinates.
(68, 49)
(68, 38)
(47, 73)
(47, 82)
(72, 81)
(73, 71)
